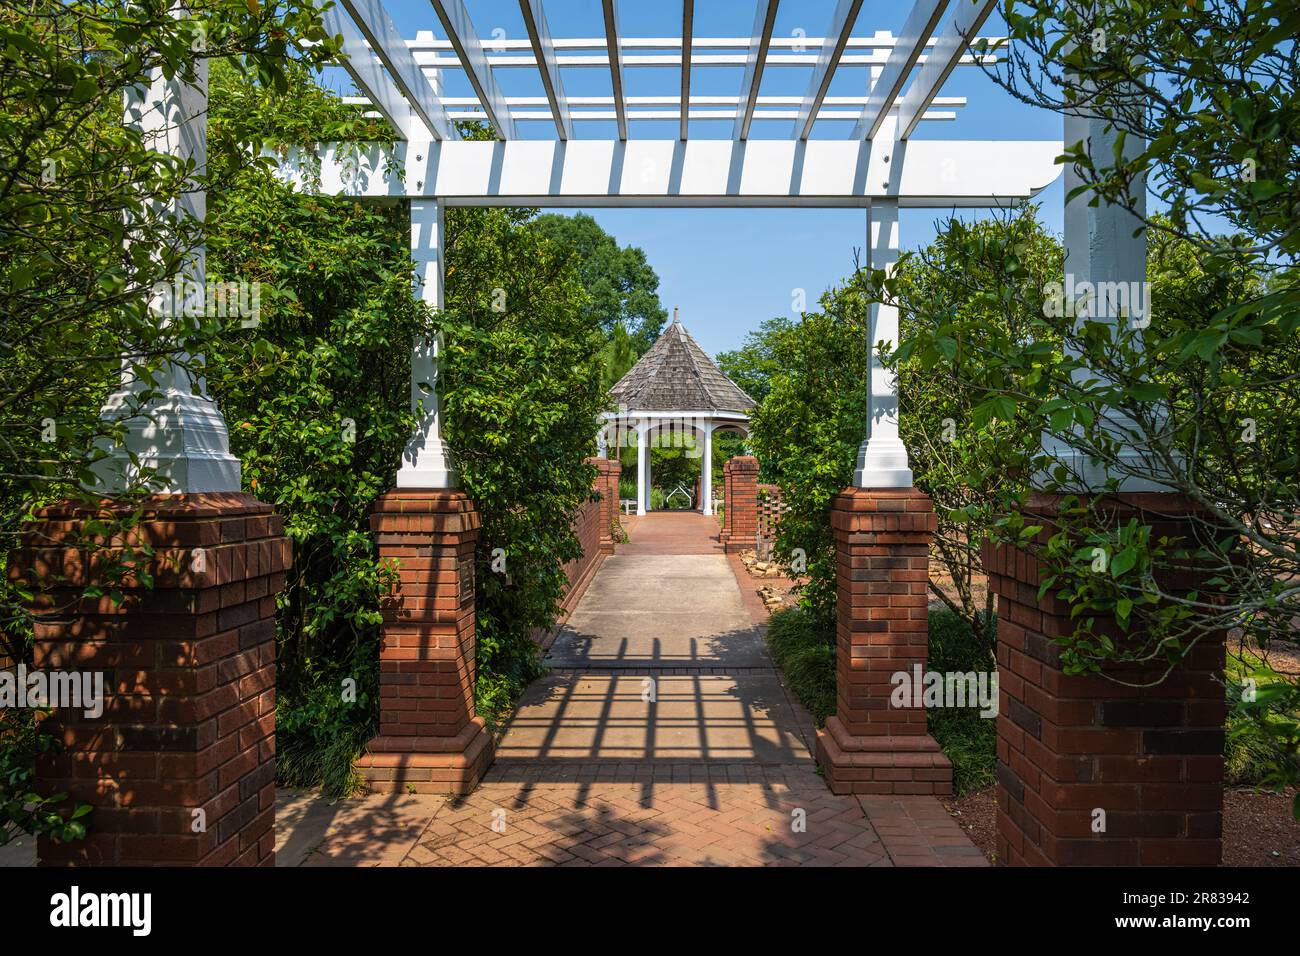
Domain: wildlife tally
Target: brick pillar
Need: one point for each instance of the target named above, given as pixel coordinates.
(740, 476)
(882, 540)
(430, 737)
(1151, 758)
(189, 680)
(608, 471)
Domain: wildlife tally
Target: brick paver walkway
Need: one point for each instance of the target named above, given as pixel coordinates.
(663, 735)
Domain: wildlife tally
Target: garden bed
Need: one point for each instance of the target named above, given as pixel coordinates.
(1258, 829)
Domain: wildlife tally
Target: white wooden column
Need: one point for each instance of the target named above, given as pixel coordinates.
(642, 468)
(181, 432)
(427, 461)
(706, 471)
(882, 457)
(1105, 268)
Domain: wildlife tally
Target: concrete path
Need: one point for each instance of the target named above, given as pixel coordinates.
(663, 735)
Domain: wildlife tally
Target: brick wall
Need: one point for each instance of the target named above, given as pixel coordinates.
(882, 542)
(186, 741)
(1069, 746)
(592, 526)
(430, 736)
(740, 490)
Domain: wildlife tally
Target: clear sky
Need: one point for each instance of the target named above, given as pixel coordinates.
(730, 269)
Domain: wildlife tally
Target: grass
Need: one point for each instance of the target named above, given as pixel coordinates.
(806, 655)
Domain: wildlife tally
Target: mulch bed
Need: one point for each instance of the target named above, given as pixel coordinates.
(1258, 829)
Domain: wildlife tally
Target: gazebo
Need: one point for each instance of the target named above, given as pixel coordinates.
(672, 390)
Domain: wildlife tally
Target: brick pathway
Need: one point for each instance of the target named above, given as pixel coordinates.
(663, 735)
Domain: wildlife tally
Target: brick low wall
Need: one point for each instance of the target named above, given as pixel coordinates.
(180, 767)
(740, 517)
(587, 526)
(1092, 771)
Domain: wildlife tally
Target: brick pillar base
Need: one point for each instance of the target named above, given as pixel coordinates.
(740, 521)
(608, 471)
(882, 540)
(1150, 758)
(430, 738)
(180, 767)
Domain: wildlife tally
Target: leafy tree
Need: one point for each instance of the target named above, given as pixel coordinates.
(808, 427)
(752, 365)
(622, 286)
(1202, 102)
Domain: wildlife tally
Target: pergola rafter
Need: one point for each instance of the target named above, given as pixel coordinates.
(837, 37)
(387, 45)
(368, 73)
(916, 32)
(755, 61)
(688, 31)
(455, 20)
(956, 37)
(615, 64)
(539, 34)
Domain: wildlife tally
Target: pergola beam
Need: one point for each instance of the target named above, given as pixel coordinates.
(921, 23)
(539, 34)
(615, 49)
(953, 42)
(460, 31)
(755, 59)
(368, 73)
(688, 31)
(380, 32)
(837, 37)
(816, 173)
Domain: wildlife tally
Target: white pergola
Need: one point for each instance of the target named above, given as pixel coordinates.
(877, 163)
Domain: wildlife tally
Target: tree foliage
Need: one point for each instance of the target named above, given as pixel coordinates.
(621, 285)
(1192, 398)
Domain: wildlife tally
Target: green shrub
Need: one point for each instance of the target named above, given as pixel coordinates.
(806, 655)
(521, 395)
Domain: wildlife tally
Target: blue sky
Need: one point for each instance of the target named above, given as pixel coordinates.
(730, 269)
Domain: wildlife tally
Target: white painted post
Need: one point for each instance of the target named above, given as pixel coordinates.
(181, 433)
(1106, 263)
(882, 457)
(642, 453)
(427, 461)
(706, 471)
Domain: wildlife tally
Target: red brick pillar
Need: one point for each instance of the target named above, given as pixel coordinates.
(430, 737)
(180, 767)
(882, 540)
(1151, 758)
(608, 471)
(740, 476)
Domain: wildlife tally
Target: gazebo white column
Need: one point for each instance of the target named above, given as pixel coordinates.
(882, 457)
(427, 461)
(181, 432)
(642, 468)
(706, 471)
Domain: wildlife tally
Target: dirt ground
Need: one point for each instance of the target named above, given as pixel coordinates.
(1258, 829)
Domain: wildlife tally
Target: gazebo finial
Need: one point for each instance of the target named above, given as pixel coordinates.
(676, 319)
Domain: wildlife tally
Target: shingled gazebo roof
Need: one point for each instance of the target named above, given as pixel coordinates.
(676, 375)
